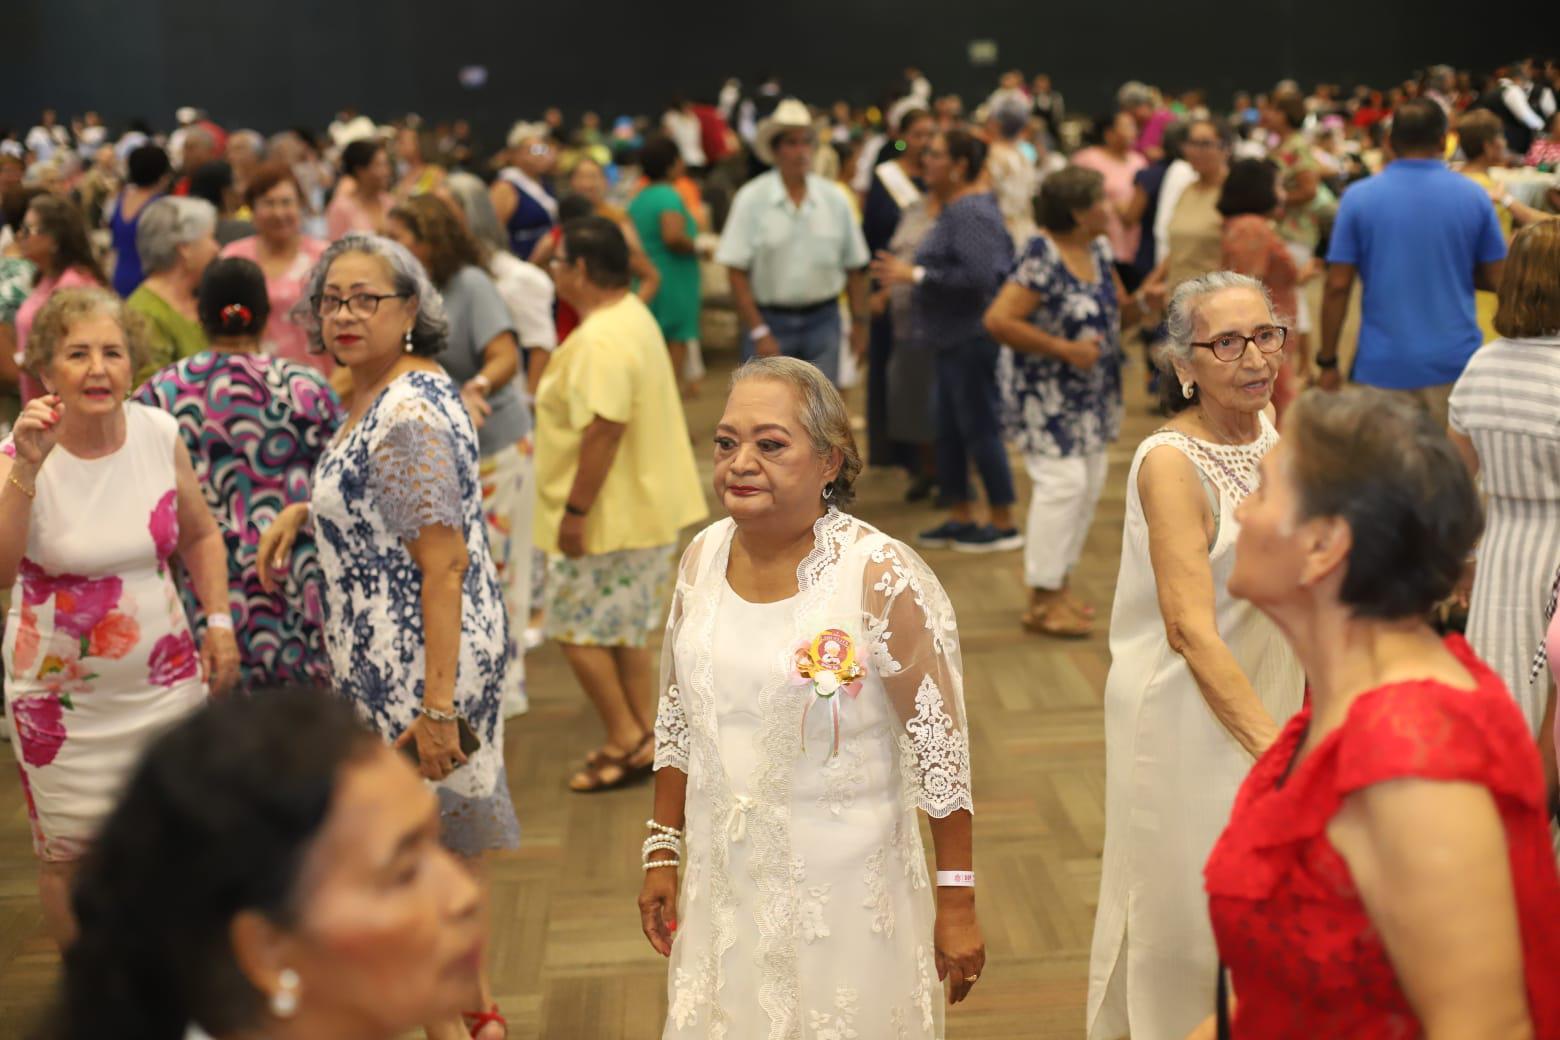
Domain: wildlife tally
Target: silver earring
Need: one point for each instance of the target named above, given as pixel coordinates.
(828, 492)
(408, 341)
(1186, 390)
(284, 1002)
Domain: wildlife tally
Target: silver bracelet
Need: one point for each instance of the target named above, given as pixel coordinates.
(436, 715)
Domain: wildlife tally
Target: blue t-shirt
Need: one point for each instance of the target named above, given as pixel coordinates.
(1416, 231)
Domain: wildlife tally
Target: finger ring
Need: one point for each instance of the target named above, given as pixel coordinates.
(972, 978)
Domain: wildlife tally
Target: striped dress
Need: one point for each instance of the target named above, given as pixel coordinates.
(1508, 404)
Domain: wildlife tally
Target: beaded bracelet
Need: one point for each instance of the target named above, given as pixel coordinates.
(661, 828)
(652, 864)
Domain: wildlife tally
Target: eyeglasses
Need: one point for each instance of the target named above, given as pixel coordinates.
(539, 148)
(25, 230)
(1231, 346)
(359, 305)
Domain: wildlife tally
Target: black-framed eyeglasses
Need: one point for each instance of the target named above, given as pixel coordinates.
(1231, 346)
(359, 305)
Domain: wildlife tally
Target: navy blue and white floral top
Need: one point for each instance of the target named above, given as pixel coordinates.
(1050, 407)
(966, 255)
(410, 463)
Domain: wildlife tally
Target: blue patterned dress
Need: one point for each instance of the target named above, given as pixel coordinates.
(254, 427)
(1050, 407)
(409, 463)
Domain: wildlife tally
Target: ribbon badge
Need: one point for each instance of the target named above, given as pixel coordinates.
(827, 665)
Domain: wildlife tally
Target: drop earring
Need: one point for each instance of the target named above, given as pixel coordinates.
(1186, 390)
(409, 341)
(284, 1002)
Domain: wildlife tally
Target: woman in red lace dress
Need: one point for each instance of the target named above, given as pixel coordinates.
(1387, 869)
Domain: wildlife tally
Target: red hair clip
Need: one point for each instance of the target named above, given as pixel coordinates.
(235, 310)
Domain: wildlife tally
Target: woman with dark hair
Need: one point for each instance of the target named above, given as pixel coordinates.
(271, 869)
(285, 254)
(415, 625)
(898, 184)
(1061, 315)
(1199, 683)
(1502, 422)
(957, 270)
(482, 355)
(148, 169)
(1110, 154)
(1387, 869)
(53, 238)
(667, 230)
(363, 197)
(1251, 201)
(254, 427)
(214, 182)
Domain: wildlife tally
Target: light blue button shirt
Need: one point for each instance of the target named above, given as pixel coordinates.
(794, 255)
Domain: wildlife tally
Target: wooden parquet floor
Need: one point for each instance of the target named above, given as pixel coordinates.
(568, 958)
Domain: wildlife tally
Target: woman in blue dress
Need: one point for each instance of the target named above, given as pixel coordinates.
(414, 618)
(1060, 315)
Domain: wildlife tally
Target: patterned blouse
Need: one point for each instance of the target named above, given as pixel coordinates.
(254, 427)
(1050, 407)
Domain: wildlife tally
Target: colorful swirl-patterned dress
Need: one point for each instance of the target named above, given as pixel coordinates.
(255, 426)
(99, 659)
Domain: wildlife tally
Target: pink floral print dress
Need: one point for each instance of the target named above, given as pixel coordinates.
(98, 655)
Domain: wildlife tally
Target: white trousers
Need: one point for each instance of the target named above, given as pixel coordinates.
(1063, 495)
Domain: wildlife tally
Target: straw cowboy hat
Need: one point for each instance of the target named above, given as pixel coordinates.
(789, 114)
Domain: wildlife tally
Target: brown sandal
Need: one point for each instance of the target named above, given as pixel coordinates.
(595, 772)
(1047, 623)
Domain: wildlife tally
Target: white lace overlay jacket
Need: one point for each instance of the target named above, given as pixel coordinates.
(805, 910)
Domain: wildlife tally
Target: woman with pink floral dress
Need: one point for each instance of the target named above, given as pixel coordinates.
(96, 498)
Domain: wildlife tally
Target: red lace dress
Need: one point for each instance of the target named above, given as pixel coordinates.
(1304, 958)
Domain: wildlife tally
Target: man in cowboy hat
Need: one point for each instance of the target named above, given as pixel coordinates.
(792, 244)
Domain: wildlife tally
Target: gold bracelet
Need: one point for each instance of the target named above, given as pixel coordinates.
(31, 493)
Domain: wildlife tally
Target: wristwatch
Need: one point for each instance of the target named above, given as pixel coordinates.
(1327, 362)
(574, 510)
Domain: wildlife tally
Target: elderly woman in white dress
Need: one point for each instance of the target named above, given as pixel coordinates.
(1200, 683)
(811, 702)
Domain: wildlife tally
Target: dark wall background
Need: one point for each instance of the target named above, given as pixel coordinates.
(270, 63)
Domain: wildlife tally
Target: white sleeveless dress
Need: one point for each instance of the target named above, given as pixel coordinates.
(1171, 769)
(99, 658)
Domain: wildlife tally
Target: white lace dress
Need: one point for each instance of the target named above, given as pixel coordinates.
(1171, 769)
(806, 908)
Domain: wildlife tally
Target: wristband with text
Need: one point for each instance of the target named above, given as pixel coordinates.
(220, 621)
(955, 879)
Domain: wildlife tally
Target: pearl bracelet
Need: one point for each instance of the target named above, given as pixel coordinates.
(661, 828)
(652, 864)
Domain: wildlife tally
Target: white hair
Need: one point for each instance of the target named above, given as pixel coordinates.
(822, 413)
(170, 222)
(1181, 315)
(472, 196)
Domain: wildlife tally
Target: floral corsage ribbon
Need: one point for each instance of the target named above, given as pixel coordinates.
(826, 667)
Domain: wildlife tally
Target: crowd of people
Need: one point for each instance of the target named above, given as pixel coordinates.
(395, 412)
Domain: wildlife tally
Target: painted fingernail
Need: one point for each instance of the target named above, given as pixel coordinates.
(672, 925)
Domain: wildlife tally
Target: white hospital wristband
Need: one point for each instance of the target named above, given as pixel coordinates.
(758, 332)
(955, 879)
(220, 621)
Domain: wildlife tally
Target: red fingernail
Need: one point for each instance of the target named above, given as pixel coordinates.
(672, 925)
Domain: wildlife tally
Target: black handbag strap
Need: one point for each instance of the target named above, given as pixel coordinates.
(1222, 1012)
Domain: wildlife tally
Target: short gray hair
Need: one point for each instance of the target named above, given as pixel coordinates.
(431, 330)
(822, 413)
(170, 222)
(471, 195)
(1181, 315)
(1132, 94)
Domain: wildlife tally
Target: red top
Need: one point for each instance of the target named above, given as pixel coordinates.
(1304, 958)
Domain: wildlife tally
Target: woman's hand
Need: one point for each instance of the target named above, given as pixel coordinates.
(961, 951)
(571, 536)
(438, 746)
(1084, 353)
(37, 429)
(658, 906)
(219, 659)
(476, 403)
(889, 269)
(276, 544)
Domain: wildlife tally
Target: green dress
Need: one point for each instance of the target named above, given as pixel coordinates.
(171, 336)
(676, 303)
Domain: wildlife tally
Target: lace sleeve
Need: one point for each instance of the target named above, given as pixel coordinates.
(414, 473)
(671, 724)
(914, 642)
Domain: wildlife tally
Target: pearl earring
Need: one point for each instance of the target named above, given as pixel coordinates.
(284, 1002)
(1186, 390)
(408, 341)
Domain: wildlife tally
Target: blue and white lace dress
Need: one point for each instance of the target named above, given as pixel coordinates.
(409, 463)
